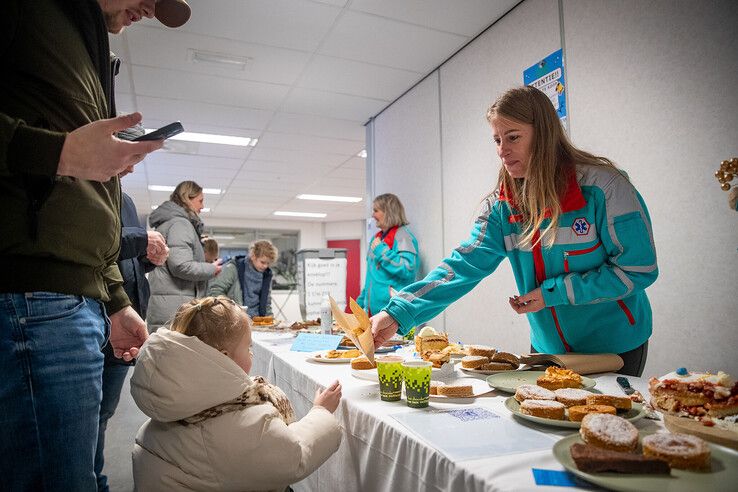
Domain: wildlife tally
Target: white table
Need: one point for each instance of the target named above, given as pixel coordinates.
(378, 453)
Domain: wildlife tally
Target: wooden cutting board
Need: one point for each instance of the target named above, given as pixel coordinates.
(713, 434)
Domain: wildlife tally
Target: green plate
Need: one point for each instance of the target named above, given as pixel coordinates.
(635, 413)
(724, 474)
(510, 380)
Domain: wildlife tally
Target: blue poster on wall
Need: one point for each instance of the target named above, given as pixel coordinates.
(548, 76)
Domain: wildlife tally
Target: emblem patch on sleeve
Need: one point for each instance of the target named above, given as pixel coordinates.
(580, 226)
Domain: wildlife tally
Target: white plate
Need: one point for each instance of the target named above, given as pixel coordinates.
(479, 387)
(320, 357)
(635, 413)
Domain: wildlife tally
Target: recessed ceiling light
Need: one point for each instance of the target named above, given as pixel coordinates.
(301, 214)
(225, 60)
(207, 191)
(362, 154)
(205, 210)
(213, 138)
(222, 238)
(330, 198)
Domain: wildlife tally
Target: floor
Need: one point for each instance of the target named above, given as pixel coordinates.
(119, 438)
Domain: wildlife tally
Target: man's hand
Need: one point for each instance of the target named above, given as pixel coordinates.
(529, 303)
(157, 250)
(383, 327)
(127, 333)
(93, 153)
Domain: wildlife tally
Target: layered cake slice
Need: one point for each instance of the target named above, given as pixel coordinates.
(695, 394)
(591, 459)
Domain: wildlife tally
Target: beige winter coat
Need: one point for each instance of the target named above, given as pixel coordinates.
(177, 376)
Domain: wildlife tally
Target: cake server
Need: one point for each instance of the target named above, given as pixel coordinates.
(625, 384)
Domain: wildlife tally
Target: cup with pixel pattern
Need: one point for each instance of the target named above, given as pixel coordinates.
(389, 370)
(417, 382)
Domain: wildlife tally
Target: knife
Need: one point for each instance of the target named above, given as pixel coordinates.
(625, 384)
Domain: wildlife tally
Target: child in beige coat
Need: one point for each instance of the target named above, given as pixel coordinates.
(212, 426)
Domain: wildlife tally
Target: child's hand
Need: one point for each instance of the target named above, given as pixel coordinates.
(329, 397)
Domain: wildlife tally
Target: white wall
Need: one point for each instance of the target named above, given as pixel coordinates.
(650, 85)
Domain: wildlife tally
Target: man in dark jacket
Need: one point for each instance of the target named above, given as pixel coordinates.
(59, 163)
(140, 252)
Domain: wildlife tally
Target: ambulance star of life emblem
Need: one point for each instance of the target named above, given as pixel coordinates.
(580, 226)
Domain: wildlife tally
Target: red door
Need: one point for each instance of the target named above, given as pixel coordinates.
(353, 266)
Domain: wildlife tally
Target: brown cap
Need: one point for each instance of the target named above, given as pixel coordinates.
(172, 13)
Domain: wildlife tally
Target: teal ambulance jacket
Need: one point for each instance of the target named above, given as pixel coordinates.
(392, 264)
(592, 278)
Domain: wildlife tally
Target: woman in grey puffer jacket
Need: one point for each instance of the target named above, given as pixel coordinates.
(185, 275)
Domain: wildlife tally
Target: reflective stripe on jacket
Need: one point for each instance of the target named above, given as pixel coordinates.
(592, 278)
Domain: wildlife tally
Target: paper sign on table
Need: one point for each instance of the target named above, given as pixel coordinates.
(314, 342)
(357, 327)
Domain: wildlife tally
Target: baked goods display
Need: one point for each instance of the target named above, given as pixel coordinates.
(429, 339)
(304, 325)
(263, 320)
(533, 392)
(572, 396)
(434, 386)
(473, 361)
(592, 459)
(577, 412)
(679, 450)
(547, 409)
(695, 394)
(436, 358)
(609, 432)
(356, 328)
(484, 350)
(556, 377)
(506, 358)
(619, 402)
(362, 363)
(455, 390)
(342, 354)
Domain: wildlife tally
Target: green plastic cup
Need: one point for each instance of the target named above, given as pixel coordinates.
(390, 371)
(417, 382)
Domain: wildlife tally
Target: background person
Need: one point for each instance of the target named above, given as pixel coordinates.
(211, 249)
(392, 259)
(576, 231)
(212, 426)
(248, 280)
(58, 175)
(185, 274)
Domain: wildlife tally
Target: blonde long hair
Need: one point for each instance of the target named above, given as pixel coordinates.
(217, 321)
(553, 157)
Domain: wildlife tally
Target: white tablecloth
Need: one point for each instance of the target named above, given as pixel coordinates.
(378, 453)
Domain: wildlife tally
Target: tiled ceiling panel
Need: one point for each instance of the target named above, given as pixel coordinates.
(315, 71)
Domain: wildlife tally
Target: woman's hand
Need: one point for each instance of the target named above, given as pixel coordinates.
(329, 397)
(529, 303)
(383, 327)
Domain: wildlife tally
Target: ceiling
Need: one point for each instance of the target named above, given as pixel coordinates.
(315, 72)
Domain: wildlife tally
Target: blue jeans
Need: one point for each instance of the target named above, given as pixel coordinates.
(113, 377)
(50, 390)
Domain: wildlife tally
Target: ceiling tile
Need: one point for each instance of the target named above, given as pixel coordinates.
(467, 18)
(207, 88)
(372, 39)
(297, 157)
(285, 23)
(332, 105)
(272, 140)
(174, 49)
(317, 125)
(198, 113)
(357, 78)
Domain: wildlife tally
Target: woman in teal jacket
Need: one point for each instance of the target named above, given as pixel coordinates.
(575, 230)
(392, 259)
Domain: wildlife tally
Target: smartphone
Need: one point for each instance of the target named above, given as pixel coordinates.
(162, 133)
